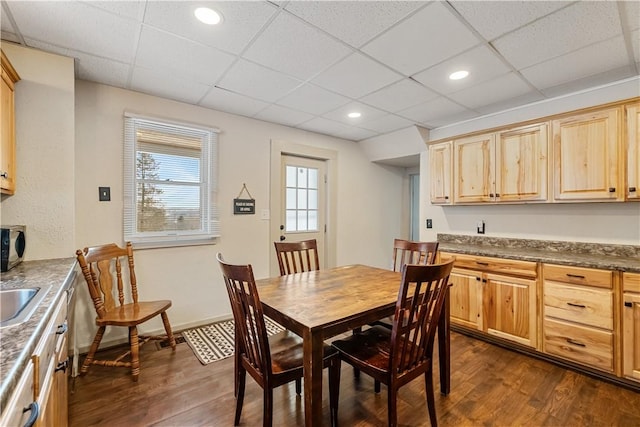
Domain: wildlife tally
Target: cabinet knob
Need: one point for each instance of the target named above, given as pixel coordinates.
(4, 175)
(62, 329)
(628, 304)
(632, 189)
(497, 194)
(612, 189)
(491, 195)
(447, 197)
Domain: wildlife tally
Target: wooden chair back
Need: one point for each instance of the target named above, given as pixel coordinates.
(102, 270)
(421, 299)
(408, 252)
(297, 257)
(249, 318)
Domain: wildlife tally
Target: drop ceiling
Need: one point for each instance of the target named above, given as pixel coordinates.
(307, 64)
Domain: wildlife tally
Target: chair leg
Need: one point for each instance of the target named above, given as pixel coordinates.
(298, 386)
(431, 402)
(167, 328)
(334, 389)
(241, 379)
(392, 405)
(268, 407)
(135, 349)
(376, 386)
(92, 351)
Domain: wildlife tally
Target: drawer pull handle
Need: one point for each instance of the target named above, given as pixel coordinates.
(478, 279)
(628, 304)
(62, 366)
(612, 189)
(576, 305)
(35, 413)
(632, 189)
(62, 329)
(575, 276)
(482, 263)
(578, 343)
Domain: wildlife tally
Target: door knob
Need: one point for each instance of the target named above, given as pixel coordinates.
(281, 227)
(282, 238)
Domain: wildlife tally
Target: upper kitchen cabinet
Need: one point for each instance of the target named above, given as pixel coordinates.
(440, 172)
(586, 157)
(8, 131)
(504, 166)
(633, 151)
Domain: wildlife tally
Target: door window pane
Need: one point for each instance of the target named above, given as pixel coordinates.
(301, 198)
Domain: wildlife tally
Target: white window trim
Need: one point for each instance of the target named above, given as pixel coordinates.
(209, 172)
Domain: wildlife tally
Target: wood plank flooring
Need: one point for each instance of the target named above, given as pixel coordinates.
(490, 386)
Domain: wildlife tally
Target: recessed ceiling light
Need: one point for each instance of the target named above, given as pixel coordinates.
(208, 16)
(354, 115)
(459, 75)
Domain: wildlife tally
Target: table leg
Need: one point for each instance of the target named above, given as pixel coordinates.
(312, 342)
(444, 348)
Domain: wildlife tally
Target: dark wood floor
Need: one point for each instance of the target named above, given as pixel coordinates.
(489, 386)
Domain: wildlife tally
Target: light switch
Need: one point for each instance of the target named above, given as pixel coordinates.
(104, 194)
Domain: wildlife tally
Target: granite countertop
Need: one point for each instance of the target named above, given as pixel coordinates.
(591, 255)
(18, 342)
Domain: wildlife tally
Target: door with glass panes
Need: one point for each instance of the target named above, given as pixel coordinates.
(303, 213)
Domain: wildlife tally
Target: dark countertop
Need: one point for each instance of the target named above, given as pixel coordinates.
(18, 342)
(591, 255)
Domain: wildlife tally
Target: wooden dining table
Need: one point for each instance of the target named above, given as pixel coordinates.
(318, 305)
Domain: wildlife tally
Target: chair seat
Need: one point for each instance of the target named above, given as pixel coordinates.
(369, 349)
(287, 352)
(133, 314)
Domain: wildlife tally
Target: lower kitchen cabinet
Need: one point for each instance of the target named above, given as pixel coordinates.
(465, 298)
(631, 326)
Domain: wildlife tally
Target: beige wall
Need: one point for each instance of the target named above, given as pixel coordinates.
(585, 222)
(44, 198)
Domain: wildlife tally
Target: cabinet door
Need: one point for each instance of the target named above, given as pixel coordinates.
(465, 298)
(633, 152)
(473, 166)
(510, 308)
(7, 137)
(586, 158)
(631, 338)
(440, 173)
(521, 164)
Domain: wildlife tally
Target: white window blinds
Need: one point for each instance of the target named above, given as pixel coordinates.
(170, 182)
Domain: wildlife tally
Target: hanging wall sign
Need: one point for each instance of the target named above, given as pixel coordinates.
(244, 206)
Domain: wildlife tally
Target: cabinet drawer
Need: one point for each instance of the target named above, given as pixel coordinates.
(579, 275)
(494, 265)
(631, 282)
(590, 306)
(45, 350)
(22, 397)
(579, 343)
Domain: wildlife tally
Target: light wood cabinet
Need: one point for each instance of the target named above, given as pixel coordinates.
(631, 326)
(586, 157)
(505, 166)
(440, 173)
(13, 413)
(633, 151)
(8, 132)
(579, 315)
(495, 296)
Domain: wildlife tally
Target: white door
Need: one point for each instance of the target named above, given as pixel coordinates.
(303, 201)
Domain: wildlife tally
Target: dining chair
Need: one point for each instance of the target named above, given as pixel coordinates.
(396, 357)
(271, 361)
(409, 252)
(99, 264)
(297, 257)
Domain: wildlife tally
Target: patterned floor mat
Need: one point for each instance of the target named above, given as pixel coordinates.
(214, 342)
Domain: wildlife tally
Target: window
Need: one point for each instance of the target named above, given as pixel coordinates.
(170, 183)
(302, 198)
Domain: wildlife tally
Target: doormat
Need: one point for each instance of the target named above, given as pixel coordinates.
(215, 342)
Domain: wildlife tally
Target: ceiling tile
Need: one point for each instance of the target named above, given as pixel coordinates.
(499, 89)
(430, 112)
(128, 9)
(354, 22)
(258, 82)
(355, 134)
(398, 96)
(293, 47)
(630, 12)
(481, 62)
(418, 42)
(527, 98)
(324, 126)
(283, 115)
(167, 85)
(635, 43)
(158, 49)
(495, 18)
(569, 29)
(223, 100)
(313, 99)
(84, 27)
(611, 54)
(388, 123)
(356, 76)
(340, 114)
(242, 20)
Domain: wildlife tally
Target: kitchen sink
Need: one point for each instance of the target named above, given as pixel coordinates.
(17, 305)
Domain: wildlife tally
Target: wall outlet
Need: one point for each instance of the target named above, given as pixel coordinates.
(429, 223)
(480, 227)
